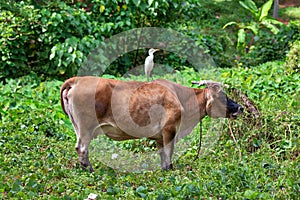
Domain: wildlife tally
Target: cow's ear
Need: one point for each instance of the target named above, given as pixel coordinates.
(216, 87)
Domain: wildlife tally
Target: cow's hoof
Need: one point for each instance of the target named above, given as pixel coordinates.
(168, 167)
(90, 169)
(87, 168)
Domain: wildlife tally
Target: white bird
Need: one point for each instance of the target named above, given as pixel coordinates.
(149, 62)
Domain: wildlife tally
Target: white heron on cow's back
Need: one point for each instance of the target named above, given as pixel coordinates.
(149, 62)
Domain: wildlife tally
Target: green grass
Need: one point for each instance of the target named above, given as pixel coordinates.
(257, 160)
(292, 13)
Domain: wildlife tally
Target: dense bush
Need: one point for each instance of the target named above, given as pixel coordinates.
(277, 98)
(28, 34)
(293, 58)
(270, 47)
(54, 38)
(31, 106)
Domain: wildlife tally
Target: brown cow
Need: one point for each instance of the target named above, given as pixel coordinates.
(158, 110)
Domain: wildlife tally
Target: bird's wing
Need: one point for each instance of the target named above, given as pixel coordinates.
(149, 59)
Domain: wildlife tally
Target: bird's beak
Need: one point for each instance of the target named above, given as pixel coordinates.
(156, 49)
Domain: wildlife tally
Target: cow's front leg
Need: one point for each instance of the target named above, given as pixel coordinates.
(83, 153)
(168, 148)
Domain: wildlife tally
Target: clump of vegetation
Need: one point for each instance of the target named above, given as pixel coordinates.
(293, 58)
(260, 21)
(53, 39)
(258, 156)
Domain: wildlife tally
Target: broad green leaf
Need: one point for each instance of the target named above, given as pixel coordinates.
(273, 21)
(137, 2)
(249, 5)
(16, 186)
(73, 55)
(52, 55)
(70, 49)
(79, 54)
(241, 37)
(150, 2)
(253, 28)
(59, 63)
(250, 194)
(270, 26)
(264, 10)
(229, 24)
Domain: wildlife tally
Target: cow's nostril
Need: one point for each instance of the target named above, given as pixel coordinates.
(241, 109)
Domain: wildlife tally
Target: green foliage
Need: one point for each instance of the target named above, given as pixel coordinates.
(266, 82)
(290, 12)
(28, 34)
(261, 20)
(277, 97)
(30, 94)
(253, 159)
(293, 58)
(270, 47)
(54, 38)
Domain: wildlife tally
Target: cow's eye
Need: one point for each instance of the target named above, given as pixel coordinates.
(222, 95)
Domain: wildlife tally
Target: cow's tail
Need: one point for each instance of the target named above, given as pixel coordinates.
(67, 85)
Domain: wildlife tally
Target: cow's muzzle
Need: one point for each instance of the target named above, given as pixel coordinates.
(239, 111)
(233, 109)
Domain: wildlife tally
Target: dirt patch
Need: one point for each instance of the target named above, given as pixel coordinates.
(289, 3)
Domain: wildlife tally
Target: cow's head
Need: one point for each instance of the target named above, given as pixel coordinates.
(217, 102)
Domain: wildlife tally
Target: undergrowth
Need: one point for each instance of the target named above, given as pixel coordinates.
(251, 159)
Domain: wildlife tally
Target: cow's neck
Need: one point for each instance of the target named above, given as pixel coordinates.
(194, 110)
(194, 106)
(201, 98)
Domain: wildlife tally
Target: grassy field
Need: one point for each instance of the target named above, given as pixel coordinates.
(251, 159)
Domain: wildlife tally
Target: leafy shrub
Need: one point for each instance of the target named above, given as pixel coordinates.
(54, 38)
(215, 48)
(269, 47)
(28, 34)
(293, 58)
(277, 98)
(259, 22)
(31, 106)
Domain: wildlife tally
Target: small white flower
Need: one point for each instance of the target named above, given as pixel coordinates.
(92, 196)
(114, 156)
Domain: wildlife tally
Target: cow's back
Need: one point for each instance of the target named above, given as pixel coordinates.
(141, 109)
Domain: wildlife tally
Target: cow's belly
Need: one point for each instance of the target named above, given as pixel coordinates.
(115, 133)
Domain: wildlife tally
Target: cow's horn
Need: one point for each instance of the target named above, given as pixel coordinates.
(204, 82)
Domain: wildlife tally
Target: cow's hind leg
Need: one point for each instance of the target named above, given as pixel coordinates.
(161, 152)
(168, 149)
(81, 147)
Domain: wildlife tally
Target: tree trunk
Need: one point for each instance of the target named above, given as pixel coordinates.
(276, 5)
